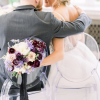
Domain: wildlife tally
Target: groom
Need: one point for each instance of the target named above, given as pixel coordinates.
(26, 21)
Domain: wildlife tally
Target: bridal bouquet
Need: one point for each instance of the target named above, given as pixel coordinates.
(24, 56)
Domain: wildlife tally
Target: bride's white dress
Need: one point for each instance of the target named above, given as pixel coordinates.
(77, 64)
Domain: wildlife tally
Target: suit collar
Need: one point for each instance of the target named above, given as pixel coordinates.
(25, 7)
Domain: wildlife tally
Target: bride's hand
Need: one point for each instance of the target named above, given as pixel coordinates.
(79, 10)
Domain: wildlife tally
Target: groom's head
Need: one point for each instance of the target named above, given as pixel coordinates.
(37, 3)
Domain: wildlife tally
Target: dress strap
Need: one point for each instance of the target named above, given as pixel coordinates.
(60, 16)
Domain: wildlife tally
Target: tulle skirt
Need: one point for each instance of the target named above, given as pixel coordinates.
(76, 65)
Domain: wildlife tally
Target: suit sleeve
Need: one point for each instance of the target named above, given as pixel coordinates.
(63, 29)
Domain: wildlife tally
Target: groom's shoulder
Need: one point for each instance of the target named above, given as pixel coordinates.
(46, 16)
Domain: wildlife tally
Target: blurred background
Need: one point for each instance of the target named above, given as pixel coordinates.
(91, 7)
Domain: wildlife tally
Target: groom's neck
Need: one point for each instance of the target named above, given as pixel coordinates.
(26, 2)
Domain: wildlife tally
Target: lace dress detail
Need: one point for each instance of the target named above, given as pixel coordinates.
(51, 48)
(67, 45)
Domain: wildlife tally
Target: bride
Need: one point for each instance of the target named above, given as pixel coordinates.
(75, 60)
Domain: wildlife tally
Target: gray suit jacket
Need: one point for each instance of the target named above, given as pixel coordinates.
(25, 21)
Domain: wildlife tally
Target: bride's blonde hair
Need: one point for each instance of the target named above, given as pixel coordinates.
(58, 2)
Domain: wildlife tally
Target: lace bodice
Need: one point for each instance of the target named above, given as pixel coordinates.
(67, 45)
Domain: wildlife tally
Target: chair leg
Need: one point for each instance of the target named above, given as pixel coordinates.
(97, 82)
(55, 85)
(5, 89)
(46, 89)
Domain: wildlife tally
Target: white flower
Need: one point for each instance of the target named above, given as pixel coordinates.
(31, 56)
(22, 48)
(27, 66)
(10, 57)
(23, 70)
(16, 70)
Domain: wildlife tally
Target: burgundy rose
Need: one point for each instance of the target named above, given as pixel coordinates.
(25, 59)
(15, 62)
(37, 43)
(36, 63)
(34, 43)
(11, 50)
(19, 56)
(30, 63)
(43, 44)
(40, 56)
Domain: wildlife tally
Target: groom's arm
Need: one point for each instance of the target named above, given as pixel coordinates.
(63, 29)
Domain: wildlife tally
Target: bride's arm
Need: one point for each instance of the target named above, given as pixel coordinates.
(58, 53)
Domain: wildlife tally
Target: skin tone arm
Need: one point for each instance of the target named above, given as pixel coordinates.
(57, 55)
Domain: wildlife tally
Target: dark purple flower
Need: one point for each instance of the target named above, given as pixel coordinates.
(41, 50)
(20, 64)
(40, 56)
(25, 59)
(30, 63)
(15, 62)
(34, 50)
(11, 50)
(19, 56)
(36, 63)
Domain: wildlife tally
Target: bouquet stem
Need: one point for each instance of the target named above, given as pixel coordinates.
(23, 91)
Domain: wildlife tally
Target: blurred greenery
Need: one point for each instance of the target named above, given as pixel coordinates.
(12, 1)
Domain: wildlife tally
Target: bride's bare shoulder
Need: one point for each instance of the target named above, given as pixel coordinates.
(72, 12)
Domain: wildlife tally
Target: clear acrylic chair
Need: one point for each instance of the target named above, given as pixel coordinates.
(9, 93)
(79, 87)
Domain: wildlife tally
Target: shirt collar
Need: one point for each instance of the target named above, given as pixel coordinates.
(25, 7)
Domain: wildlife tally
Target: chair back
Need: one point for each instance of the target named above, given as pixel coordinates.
(81, 61)
(34, 77)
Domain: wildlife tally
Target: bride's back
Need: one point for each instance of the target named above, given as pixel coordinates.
(72, 13)
(68, 13)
